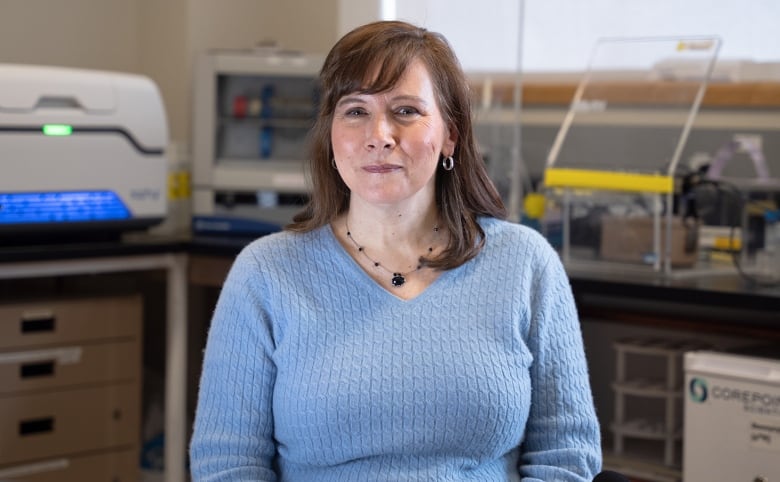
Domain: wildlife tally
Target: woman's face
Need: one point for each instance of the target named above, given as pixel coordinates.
(387, 145)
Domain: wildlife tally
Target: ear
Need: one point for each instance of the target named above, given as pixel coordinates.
(450, 141)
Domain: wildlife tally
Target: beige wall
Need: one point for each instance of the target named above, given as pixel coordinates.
(162, 45)
(158, 38)
(100, 34)
(306, 25)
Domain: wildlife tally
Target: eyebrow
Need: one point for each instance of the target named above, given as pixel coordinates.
(359, 100)
(412, 98)
(350, 100)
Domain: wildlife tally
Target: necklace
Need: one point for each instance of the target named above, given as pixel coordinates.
(398, 278)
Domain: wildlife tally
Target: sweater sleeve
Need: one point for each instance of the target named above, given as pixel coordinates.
(233, 432)
(562, 439)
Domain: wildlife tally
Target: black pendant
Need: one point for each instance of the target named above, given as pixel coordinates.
(398, 279)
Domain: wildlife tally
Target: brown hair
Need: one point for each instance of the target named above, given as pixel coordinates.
(463, 193)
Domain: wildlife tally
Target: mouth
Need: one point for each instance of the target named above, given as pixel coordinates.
(381, 168)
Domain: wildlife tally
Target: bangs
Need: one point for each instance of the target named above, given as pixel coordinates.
(385, 73)
(373, 69)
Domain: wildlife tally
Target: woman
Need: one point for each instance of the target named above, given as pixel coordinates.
(398, 330)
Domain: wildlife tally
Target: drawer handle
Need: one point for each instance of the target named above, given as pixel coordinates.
(32, 469)
(32, 370)
(40, 322)
(60, 356)
(36, 426)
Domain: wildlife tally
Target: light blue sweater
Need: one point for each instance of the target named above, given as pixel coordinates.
(313, 372)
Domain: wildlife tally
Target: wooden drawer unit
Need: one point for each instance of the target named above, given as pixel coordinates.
(70, 389)
(60, 322)
(69, 365)
(70, 421)
(116, 466)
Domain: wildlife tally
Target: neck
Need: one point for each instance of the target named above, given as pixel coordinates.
(391, 228)
(402, 265)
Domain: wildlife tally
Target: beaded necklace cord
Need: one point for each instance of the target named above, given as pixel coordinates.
(397, 278)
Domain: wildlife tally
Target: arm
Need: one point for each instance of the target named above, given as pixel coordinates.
(562, 439)
(233, 434)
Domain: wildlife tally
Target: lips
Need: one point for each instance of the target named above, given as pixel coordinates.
(381, 168)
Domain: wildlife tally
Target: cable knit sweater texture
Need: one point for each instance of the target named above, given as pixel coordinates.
(313, 372)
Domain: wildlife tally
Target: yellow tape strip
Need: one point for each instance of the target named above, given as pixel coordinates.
(724, 244)
(608, 180)
(178, 185)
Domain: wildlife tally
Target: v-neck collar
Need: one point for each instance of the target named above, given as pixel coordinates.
(341, 252)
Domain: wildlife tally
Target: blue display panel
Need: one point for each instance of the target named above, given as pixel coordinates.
(61, 207)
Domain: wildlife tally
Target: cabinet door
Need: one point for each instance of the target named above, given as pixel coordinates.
(57, 322)
(69, 365)
(46, 425)
(115, 466)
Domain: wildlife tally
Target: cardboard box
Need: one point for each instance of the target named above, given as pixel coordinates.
(630, 239)
(732, 418)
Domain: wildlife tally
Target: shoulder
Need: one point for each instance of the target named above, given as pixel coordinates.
(520, 249)
(282, 247)
(283, 241)
(273, 261)
(513, 236)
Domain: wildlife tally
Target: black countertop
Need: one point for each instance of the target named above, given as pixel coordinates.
(716, 297)
(126, 246)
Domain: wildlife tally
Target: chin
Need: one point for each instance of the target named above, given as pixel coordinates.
(385, 197)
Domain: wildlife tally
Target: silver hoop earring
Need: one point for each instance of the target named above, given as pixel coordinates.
(333, 163)
(448, 163)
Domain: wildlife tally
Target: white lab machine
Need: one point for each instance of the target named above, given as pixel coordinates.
(732, 417)
(80, 150)
(252, 113)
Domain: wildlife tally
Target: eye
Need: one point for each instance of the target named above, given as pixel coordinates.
(407, 111)
(354, 112)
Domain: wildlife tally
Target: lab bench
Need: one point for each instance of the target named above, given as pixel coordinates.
(614, 308)
(191, 271)
(59, 277)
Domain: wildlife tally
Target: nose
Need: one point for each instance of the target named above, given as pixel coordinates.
(381, 133)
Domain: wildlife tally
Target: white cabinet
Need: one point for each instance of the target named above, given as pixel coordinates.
(252, 114)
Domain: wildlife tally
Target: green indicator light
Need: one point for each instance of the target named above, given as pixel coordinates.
(57, 129)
